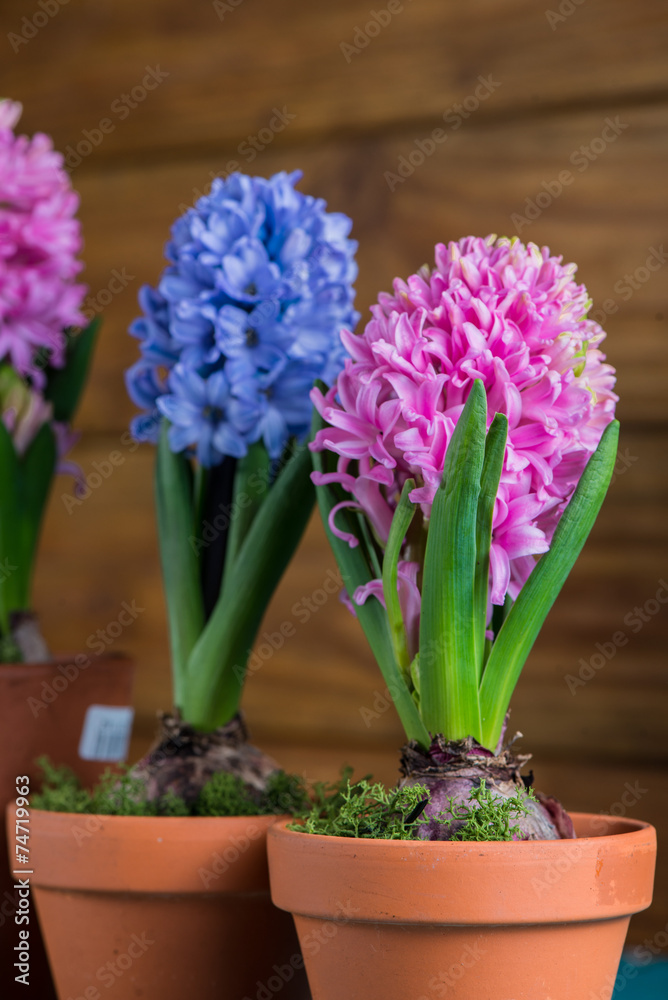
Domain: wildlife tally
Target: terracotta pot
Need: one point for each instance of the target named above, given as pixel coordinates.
(42, 711)
(414, 920)
(164, 908)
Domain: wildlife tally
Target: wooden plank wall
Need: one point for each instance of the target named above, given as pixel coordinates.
(579, 87)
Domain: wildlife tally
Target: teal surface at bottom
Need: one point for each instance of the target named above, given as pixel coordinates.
(640, 982)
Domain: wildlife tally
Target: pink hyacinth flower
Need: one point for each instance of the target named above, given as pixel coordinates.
(39, 241)
(495, 310)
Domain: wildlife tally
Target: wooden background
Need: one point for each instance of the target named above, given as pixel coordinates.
(555, 81)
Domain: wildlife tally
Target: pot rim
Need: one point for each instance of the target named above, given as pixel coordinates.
(634, 826)
(111, 818)
(87, 852)
(484, 883)
(11, 670)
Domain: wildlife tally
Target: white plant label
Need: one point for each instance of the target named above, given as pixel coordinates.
(106, 733)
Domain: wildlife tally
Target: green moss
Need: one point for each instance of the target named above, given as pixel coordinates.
(118, 793)
(121, 795)
(225, 795)
(61, 790)
(342, 808)
(364, 809)
(489, 818)
(285, 793)
(172, 804)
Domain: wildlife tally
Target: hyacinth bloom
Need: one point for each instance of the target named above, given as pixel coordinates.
(461, 459)
(495, 310)
(39, 241)
(244, 319)
(44, 359)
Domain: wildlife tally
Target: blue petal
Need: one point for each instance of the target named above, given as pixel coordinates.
(217, 389)
(228, 441)
(274, 432)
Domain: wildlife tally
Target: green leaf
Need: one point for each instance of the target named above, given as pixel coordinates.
(36, 470)
(251, 484)
(356, 571)
(520, 629)
(218, 662)
(180, 564)
(12, 563)
(401, 522)
(65, 385)
(495, 449)
(448, 667)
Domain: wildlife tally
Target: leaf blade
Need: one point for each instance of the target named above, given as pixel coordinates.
(217, 662)
(11, 555)
(246, 502)
(520, 629)
(401, 522)
(448, 671)
(65, 385)
(495, 449)
(180, 564)
(355, 567)
(37, 468)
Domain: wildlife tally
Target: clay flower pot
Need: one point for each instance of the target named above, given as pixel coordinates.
(519, 920)
(43, 707)
(161, 907)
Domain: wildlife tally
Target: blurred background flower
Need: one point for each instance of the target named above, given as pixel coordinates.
(39, 241)
(495, 310)
(530, 152)
(244, 319)
(43, 360)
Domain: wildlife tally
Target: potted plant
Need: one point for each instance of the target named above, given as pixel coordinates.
(461, 459)
(44, 360)
(245, 317)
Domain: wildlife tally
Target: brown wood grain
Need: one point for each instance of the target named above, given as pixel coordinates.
(226, 76)
(474, 183)
(318, 700)
(322, 686)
